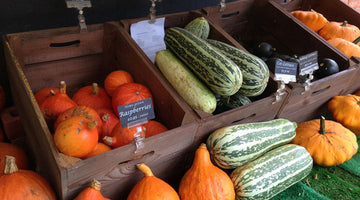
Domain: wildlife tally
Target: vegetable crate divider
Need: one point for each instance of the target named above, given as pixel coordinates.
(80, 59)
(333, 10)
(262, 107)
(251, 21)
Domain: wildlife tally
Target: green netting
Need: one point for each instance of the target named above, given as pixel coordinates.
(353, 165)
(299, 191)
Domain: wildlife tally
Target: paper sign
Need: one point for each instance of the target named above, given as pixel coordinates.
(149, 36)
(308, 63)
(285, 71)
(136, 113)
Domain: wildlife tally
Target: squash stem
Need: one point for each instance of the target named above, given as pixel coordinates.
(95, 184)
(344, 24)
(145, 169)
(322, 125)
(10, 165)
(95, 89)
(357, 40)
(62, 87)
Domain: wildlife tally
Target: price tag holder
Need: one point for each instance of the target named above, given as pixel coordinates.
(79, 4)
(136, 113)
(285, 71)
(308, 63)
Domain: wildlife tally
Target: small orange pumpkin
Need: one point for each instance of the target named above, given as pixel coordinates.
(346, 110)
(205, 181)
(342, 30)
(151, 188)
(328, 142)
(44, 93)
(314, 20)
(92, 96)
(348, 48)
(121, 136)
(109, 121)
(13, 150)
(23, 184)
(153, 127)
(92, 192)
(99, 149)
(115, 79)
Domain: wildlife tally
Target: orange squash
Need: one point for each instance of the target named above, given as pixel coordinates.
(99, 149)
(153, 127)
(121, 136)
(92, 192)
(151, 187)
(109, 121)
(346, 110)
(205, 181)
(44, 93)
(92, 96)
(342, 30)
(348, 48)
(314, 20)
(328, 142)
(23, 184)
(76, 136)
(115, 79)
(13, 150)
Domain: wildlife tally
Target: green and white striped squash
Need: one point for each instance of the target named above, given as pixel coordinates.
(217, 71)
(254, 70)
(233, 146)
(199, 27)
(272, 173)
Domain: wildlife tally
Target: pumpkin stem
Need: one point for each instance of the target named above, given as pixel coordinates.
(105, 117)
(202, 156)
(344, 24)
(95, 89)
(145, 169)
(357, 40)
(108, 140)
(62, 87)
(10, 165)
(95, 184)
(322, 125)
(52, 93)
(92, 124)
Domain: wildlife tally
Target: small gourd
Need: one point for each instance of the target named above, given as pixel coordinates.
(92, 96)
(92, 192)
(312, 19)
(342, 30)
(115, 79)
(10, 149)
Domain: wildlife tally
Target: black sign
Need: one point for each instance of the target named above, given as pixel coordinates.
(308, 63)
(136, 113)
(285, 71)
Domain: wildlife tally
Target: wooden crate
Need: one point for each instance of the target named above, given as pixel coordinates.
(40, 59)
(263, 107)
(252, 21)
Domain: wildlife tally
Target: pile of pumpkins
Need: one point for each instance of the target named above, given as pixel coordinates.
(342, 35)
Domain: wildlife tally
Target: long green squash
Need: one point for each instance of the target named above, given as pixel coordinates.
(217, 71)
(234, 146)
(272, 173)
(254, 70)
(194, 92)
(199, 27)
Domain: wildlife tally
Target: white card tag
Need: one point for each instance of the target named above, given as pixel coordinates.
(150, 37)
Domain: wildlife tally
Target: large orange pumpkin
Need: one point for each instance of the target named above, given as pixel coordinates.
(18, 184)
(342, 30)
(348, 48)
(92, 192)
(13, 150)
(151, 188)
(92, 96)
(76, 136)
(346, 110)
(314, 20)
(205, 181)
(44, 93)
(328, 142)
(115, 79)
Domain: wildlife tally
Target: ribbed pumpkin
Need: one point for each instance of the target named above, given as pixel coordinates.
(153, 127)
(2, 98)
(92, 192)
(328, 142)
(151, 188)
(115, 79)
(109, 121)
(44, 93)
(82, 111)
(314, 20)
(13, 150)
(99, 149)
(18, 184)
(205, 181)
(76, 136)
(53, 106)
(129, 93)
(121, 136)
(92, 96)
(346, 110)
(342, 30)
(348, 48)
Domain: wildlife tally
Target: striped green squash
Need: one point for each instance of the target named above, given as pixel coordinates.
(199, 27)
(217, 71)
(254, 70)
(234, 146)
(272, 173)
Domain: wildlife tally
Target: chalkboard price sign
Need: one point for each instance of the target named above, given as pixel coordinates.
(308, 63)
(285, 71)
(136, 113)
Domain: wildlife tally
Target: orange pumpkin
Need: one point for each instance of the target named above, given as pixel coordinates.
(328, 142)
(151, 187)
(92, 192)
(109, 121)
(76, 136)
(348, 48)
(205, 181)
(346, 110)
(115, 79)
(121, 136)
(44, 93)
(314, 20)
(2, 98)
(23, 184)
(342, 30)
(129, 93)
(15, 151)
(99, 149)
(153, 127)
(93, 96)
